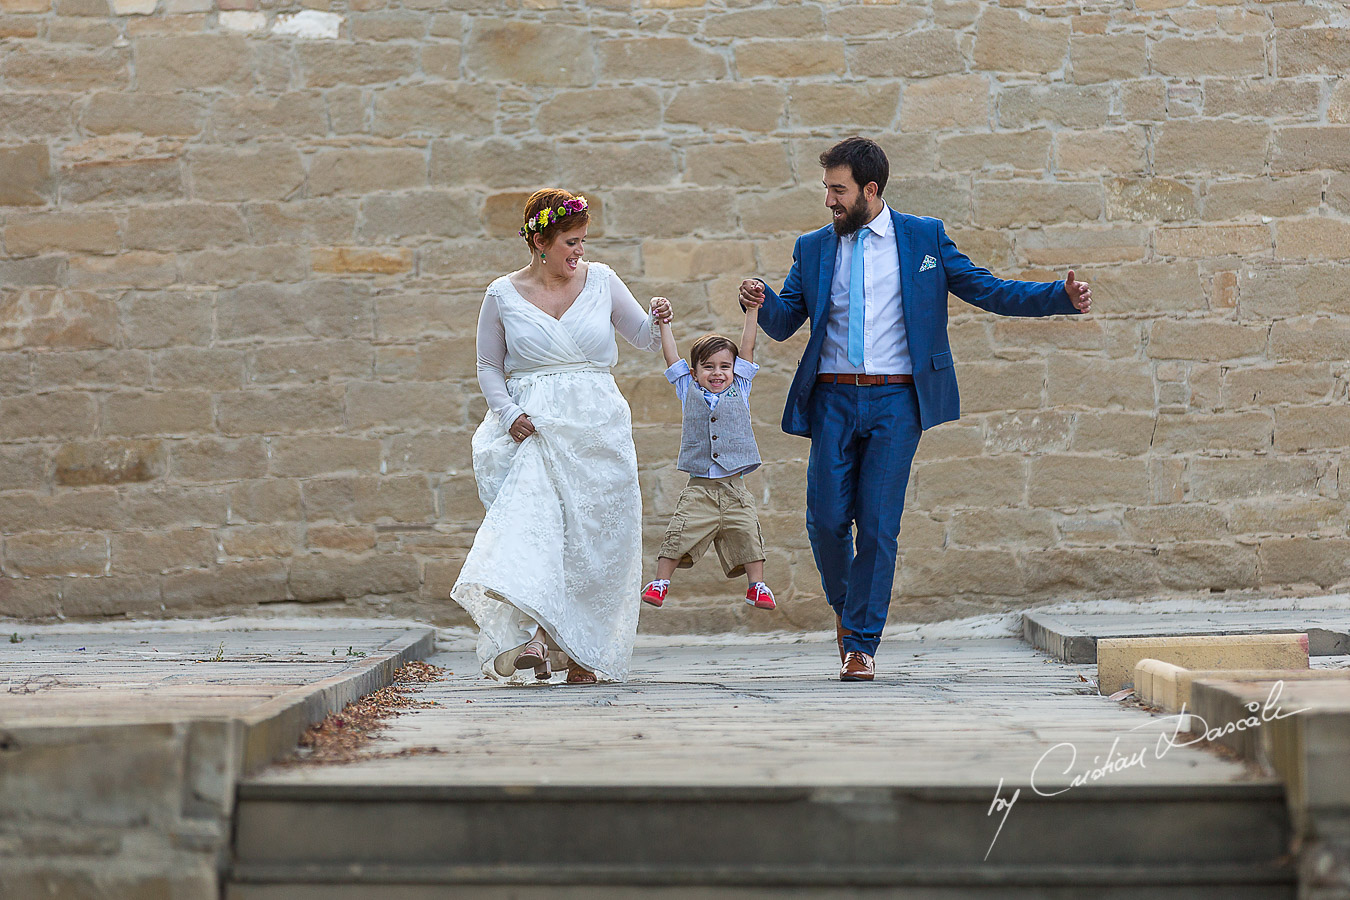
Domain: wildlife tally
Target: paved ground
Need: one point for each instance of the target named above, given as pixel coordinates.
(949, 712)
(150, 672)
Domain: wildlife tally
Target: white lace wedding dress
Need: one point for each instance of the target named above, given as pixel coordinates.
(561, 544)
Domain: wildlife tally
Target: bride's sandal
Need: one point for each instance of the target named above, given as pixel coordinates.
(534, 655)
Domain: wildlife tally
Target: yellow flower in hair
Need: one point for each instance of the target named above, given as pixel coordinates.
(543, 218)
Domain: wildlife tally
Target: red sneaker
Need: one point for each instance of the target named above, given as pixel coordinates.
(759, 596)
(655, 592)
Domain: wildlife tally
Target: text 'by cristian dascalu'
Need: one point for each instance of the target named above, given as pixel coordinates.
(1184, 724)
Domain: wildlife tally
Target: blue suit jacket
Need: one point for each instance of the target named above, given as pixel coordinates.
(806, 295)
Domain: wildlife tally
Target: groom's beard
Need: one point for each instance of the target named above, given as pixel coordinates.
(854, 217)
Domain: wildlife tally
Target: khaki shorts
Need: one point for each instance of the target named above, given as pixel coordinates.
(719, 512)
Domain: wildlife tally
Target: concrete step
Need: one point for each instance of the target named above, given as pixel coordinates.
(292, 838)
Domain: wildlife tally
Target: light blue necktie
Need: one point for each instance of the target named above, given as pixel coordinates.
(856, 301)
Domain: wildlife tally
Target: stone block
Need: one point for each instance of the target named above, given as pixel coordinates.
(166, 318)
(1117, 657)
(247, 117)
(161, 413)
(325, 309)
(303, 456)
(266, 500)
(530, 53)
(1190, 433)
(1022, 151)
(386, 406)
(1212, 240)
(1072, 106)
(57, 320)
(764, 164)
(267, 173)
(1173, 522)
(1311, 51)
(435, 110)
(43, 69)
(769, 22)
(1318, 237)
(138, 552)
(1229, 478)
(369, 500)
(1274, 197)
(325, 64)
(231, 584)
(280, 410)
(29, 598)
(1208, 565)
(667, 59)
(1001, 385)
(789, 59)
(361, 171)
(25, 175)
(145, 180)
(110, 462)
(215, 459)
(1300, 516)
(361, 260)
(1096, 58)
(1210, 145)
(1204, 340)
(1304, 148)
(617, 110)
(952, 573)
(673, 213)
(1078, 481)
(1005, 203)
(917, 54)
(64, 416)
(184, 226)
(32, 555)
(953, 101)
(999, 527)
(173, 62)
(1276, 291)
(110, 112)
(883, 20)
(1298, 383)
(1193, 57)
(983, 482)
(29, 234)
(1169, 685)
(496, 162)
(1303, 560)
(749, 107)
(348, 538)
(1115, 150)
(318, 577)
(1264, 98)
(1076, 246)
(389, 217)
(1300, 428)
(1007, 41)
(1313, 340)
(1145, 199)
(1089, 570)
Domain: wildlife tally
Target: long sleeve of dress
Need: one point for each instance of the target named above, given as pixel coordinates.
(492, 362)
(637, 326)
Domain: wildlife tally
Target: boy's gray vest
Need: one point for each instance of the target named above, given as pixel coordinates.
(721, 435)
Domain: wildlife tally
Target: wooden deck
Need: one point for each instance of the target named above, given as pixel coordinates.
(952, 713)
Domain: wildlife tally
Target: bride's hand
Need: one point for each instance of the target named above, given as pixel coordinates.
(661, 310)
(521, 428)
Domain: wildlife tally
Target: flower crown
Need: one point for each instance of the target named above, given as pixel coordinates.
(550, 214)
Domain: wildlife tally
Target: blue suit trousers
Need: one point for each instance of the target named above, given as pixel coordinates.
(863, 440)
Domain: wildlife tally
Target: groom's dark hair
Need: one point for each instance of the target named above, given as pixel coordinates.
(864, 158)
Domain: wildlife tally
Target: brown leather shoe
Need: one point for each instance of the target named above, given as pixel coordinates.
(840, 632)
(857, 667)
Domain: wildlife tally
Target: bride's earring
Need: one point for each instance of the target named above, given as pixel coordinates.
(543, 257)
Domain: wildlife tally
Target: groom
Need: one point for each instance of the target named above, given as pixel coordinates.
(876, 373)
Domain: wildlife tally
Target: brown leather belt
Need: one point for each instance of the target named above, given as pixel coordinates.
(831, 378)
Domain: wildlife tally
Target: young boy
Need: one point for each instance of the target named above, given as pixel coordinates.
(717, 449)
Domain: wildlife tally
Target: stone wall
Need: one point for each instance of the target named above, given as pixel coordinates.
(244, 246)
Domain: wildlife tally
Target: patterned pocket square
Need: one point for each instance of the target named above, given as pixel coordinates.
(928, 263)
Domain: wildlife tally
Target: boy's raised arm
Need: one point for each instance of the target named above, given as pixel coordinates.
(668, 348)
(747, 347)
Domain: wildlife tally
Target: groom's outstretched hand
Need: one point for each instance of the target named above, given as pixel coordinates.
(752, 293)
(1080, 295)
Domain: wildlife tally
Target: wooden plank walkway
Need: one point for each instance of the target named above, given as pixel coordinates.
(950, 713)
(63, 678)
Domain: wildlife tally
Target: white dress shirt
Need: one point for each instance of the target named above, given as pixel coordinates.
(885, 346)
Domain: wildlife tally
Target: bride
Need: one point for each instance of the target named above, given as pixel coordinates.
(553, 576)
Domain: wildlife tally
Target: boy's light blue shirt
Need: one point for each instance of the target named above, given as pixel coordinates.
(742, 372)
